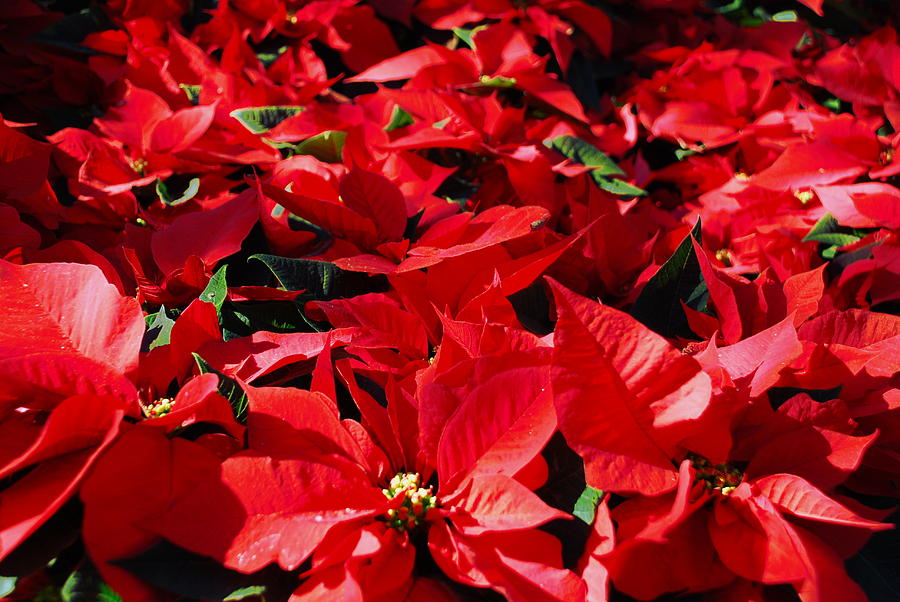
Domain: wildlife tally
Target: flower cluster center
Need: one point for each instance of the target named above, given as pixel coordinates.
(723, 478)
(139, 166)
(158, 408)
(416, 502)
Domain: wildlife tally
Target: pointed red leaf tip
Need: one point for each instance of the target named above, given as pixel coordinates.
(625, 398)
(814, 5)
(67, 331)
(800, 498)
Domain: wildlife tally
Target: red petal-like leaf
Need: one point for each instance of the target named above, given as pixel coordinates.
(796, 496)
(624, 396)
(264, 510)
(502, 423)
(498, 503)
(377, 198)
(67, 331)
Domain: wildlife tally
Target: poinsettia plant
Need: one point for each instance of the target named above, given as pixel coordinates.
(449, 300)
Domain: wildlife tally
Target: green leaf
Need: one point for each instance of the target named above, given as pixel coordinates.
(465, 35)
(326, 146)
(826, 224)
(498, 81)
(585, 153)
(836, 238)
(322, 280)
(785, 16)
(262, 119)
(586, 506)
(192, 91)
(829, 232)
(267, 58)
(160, 329)
(244, 318)
(617, 186)
(162, 191)
(184, 573)
(683, 153)
(216, 289)
(228, 388)
(246, 592)
(7, 585)
(86, 585)
(399, 119)
(679, 279)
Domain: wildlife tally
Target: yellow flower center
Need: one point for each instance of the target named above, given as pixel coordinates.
(724, 255)
(139, 165)
(158, 408)
(416, 502)
(722, 478)
(804, 196)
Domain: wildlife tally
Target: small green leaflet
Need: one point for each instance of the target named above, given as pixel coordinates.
(228, 388)
(498, 81)
(245, 592)
(262, 119)
(85, 585)
(7, 585)
(785, 16)
(828, 232)
(465, 35)
(399, 119)
(159, 330)
(216, 289)
(326, 146)
(585, 153)
(605, 170)
(586, 505)
(192, 91)
(679, 280)
(162, 191)
(619, 187)
(267, 58)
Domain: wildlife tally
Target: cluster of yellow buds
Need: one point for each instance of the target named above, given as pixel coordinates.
(139, 165)
(417, 501)
(804, 196)
(725, 256)
(158, 408)
(723, 478)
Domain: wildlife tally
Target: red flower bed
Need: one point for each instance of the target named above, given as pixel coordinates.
(446, 300)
